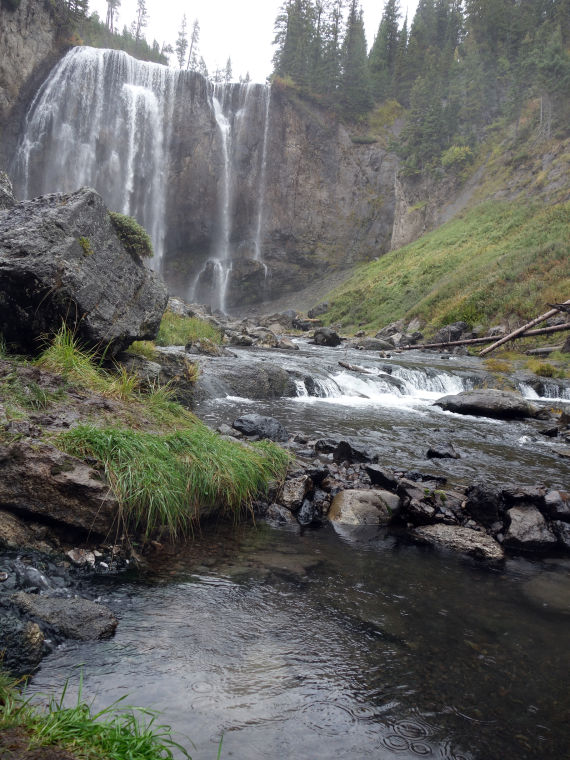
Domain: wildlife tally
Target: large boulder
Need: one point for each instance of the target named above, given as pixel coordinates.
(486, 402)
(450, 333)
(61, 260)
(528, 530)
(364, 507)
(324, 336)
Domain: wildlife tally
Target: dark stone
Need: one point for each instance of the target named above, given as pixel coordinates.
(316, 311)
(490, 403)
(557, 505)
(442, 451)
(344, 449)
(324, 336)
(484, 503)
(264, 427)
(450, 333)
(562, 532)
(61, 260)
(308, 513)
(425, 477)
(371, 344)
(381, 477)
(278, 515)
(73, 618)
(523, 495)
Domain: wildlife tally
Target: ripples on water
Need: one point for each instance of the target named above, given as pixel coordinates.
(308, 646)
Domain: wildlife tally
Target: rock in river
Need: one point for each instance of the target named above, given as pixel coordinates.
(463, 540)
(264, 427)
(490, 403)
(73, 618)
(364, 507)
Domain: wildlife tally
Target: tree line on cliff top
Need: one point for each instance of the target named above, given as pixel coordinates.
(455, 66)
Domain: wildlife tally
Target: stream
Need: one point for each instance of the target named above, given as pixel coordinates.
(315, 644)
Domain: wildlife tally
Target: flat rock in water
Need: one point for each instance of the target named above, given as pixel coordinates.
(458, 539)
(73, 618)
(489, 403)
(61, 259)
(364, 507)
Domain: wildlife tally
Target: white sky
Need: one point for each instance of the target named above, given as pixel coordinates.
(242, 30)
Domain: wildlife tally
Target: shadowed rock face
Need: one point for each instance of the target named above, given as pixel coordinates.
(60, 259)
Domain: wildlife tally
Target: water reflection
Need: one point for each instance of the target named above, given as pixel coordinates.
(314, 647)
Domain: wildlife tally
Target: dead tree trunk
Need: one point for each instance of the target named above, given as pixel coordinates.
(522, 329)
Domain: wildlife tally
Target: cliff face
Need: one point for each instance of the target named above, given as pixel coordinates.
(302, 196)
(29, 47)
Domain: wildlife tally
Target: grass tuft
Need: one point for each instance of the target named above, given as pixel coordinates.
(177, 330)
(121, 733)
(167, 481)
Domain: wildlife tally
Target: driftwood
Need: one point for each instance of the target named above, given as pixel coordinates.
(523, 329)
(475, 341)
(357, 368)
(561, 307)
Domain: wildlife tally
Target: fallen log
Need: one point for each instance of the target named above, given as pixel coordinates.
(523, 329)
(475, 341)
(357, 368)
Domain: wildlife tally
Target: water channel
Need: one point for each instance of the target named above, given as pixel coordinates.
(314, 644)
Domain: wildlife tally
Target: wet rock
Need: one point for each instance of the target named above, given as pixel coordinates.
(425, 477)
(264, 337)
(306, 324)
(324, 336)
(264, 427)
(484, 503)
(364, 507)
(490, 403)
(61, 260)
(205, 347)
(442, 451)
(279, 515)
(459, 539)
(263, 380)
(557, 505)
(515, 495)
(562, 532)
(345, 449)
(17, 534)
(28, 577)
(528, 530)
(381, 477)
(294, 492)
(239, 339)
(391, 329)
(38, 479)
(287, 344)
(22, 643)
(73, 618)
(81, 557)
(308, 514)
(322, 501)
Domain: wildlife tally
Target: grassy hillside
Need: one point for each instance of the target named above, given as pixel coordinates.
(498, 261)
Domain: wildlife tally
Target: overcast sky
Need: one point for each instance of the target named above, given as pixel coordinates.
(241, 29)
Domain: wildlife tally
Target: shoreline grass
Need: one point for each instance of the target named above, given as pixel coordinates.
(118, 732)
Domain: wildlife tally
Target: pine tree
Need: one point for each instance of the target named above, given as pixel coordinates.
(228, 74)
(181, 45)
(193, 49)
(112, 14)
(382, 59)
(141, 20)
(356, 90)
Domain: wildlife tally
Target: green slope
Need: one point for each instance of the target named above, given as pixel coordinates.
(496, 261)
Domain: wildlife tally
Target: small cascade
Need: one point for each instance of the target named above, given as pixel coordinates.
(544, 390)
(431, 381)
(102, 119)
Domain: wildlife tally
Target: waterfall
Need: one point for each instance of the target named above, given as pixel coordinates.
(232, 106)
(261, 183)
(102, 119)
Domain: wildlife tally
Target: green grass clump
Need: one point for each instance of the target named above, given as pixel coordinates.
(134, 238)
(121, 733)
(544, 369)
(177, 330)
(498, 260)
(27, 394)
(144, 348)
(77, 365)
(166, 480)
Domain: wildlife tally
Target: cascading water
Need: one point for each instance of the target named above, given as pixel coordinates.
(233, 106)
(102, 119)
